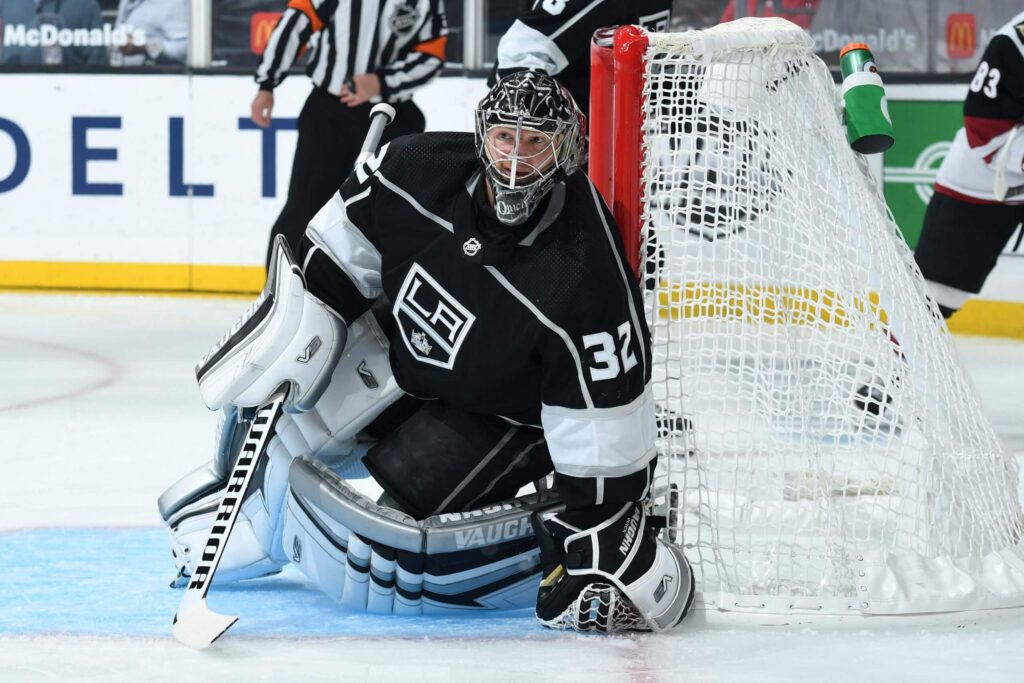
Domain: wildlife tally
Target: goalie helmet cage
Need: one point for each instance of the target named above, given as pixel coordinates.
(821, 451)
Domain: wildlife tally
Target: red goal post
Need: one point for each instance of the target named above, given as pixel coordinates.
(616, 142)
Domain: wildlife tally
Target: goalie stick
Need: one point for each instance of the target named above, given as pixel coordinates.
(195, 624)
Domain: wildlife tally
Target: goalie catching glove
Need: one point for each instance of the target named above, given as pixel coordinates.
(609, 573)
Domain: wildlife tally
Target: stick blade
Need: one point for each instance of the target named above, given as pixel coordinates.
(198, 626)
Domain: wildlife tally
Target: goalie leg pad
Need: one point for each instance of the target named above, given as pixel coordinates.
(374, 558)
(287, 335)
(189, 509)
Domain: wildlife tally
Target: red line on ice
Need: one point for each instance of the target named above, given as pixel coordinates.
(112, 373)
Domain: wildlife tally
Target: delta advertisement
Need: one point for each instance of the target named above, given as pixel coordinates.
(157, 182)
(161, 182)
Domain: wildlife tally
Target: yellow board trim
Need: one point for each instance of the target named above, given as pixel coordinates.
(136, 277)
(805, 306)
(764, 305)
(978, 316)
(984, 318)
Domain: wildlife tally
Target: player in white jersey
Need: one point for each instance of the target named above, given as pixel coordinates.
(515, 331)
(979, 193)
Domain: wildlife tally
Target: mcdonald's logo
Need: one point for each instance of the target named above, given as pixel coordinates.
(961, 36)
(261, 25)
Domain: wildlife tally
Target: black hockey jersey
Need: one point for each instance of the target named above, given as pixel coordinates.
(541, 324)
(554, 37)
(991, 143)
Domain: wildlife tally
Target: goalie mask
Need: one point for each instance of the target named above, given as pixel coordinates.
(529, 135)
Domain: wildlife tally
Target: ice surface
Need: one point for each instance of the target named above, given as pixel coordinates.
(99, 413)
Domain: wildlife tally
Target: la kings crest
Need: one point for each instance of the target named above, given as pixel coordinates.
(432, 322)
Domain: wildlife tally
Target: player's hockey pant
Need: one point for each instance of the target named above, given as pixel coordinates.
(960, 244)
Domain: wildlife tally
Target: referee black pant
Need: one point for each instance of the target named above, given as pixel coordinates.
(330, 137)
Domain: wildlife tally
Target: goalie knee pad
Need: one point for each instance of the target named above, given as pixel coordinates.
(287, 335)
(377, 559)
(612, 575)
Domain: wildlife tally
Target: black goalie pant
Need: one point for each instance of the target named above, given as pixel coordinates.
(961, 241)
(330, 137)
(441, 459)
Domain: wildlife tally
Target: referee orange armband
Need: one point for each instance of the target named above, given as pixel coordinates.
(434, 47)
(306, 7)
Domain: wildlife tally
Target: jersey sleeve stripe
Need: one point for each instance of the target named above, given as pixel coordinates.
(336, 292)
(637, 330)
(551, 326)
(579, 15)
(982, 131)
(281, 48)
(601, 442)
(345, 244)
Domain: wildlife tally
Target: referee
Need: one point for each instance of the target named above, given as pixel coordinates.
(370, 51)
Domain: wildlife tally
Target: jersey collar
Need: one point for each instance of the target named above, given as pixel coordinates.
(495, 246)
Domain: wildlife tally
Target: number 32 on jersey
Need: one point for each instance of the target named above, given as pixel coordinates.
(607, 351)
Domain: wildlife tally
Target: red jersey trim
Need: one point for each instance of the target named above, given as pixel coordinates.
(942, 189)
(980, 130)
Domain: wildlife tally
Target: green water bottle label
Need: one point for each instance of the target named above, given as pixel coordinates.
(868, 125)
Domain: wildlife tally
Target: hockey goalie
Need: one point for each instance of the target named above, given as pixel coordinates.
(459, 321)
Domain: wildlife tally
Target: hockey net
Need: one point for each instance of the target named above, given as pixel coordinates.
(821, 449)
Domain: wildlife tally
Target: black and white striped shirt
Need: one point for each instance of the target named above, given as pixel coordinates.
(402, 41)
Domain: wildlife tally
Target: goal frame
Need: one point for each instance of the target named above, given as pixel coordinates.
(616, 167)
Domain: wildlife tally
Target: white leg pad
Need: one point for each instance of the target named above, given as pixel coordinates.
(329, 523)
(357, 574)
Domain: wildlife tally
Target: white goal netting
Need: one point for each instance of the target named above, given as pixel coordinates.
(821, 446)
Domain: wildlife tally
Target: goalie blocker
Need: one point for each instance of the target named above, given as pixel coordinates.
(287, 335)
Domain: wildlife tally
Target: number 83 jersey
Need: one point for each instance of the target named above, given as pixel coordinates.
(541, 324)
